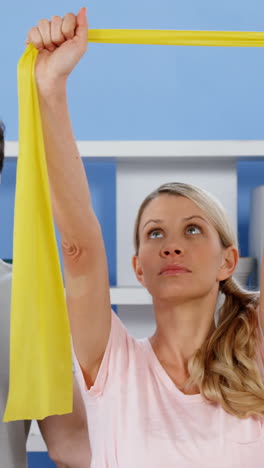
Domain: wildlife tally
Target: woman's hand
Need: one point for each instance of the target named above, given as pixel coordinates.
(61, 43)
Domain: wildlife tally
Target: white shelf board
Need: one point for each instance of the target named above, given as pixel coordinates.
(164, 148)
(130, 296)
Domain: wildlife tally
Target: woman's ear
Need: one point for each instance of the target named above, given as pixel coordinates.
(229, 263)
(137, 269)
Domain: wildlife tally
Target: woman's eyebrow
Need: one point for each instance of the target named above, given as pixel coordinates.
(183, 219)
(195, 216)
(153, 221)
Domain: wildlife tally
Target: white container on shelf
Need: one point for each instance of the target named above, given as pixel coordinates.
(256, 229)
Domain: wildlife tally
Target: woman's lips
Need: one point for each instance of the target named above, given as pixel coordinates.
(172, 270)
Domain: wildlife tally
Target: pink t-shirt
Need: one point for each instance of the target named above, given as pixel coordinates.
(138, 418)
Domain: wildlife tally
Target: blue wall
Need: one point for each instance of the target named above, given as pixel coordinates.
(39, 460)
(150, 92)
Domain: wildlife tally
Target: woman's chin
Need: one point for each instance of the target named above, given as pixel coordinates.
(175, 293)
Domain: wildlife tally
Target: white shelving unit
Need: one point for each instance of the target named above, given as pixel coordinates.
(160, 149)
(130, 296)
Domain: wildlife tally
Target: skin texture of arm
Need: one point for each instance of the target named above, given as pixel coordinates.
(67, 437)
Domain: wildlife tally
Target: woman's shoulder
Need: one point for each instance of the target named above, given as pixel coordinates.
(123, 333)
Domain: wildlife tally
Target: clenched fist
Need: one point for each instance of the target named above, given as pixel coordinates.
(61, 43)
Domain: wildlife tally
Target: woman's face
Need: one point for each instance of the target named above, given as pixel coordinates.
(180, 253)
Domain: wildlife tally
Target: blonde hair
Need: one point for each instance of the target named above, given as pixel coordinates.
(224, 367)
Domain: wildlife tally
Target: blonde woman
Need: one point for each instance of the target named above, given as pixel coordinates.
(191, 395)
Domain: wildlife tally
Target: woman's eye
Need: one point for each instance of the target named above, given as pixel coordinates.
(192, 229)
(155, 234)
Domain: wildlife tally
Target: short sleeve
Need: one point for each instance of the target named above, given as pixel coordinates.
(114, 361)
(260, 347)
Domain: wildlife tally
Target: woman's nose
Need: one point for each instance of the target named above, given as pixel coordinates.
(171, 250)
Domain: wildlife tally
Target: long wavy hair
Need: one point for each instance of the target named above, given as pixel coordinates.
(224, 368)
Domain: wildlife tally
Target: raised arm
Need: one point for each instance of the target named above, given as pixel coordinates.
(61, 43)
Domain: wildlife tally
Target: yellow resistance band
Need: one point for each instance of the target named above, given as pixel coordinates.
(180, 38)
(40, 354)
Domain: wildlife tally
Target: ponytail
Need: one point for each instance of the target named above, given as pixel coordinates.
(225, 367)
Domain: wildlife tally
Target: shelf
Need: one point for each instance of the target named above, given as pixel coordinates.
(222, 149)
(130, 296)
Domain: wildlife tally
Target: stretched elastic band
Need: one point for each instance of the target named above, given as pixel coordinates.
(180, 38)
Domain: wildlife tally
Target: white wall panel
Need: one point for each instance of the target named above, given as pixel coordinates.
(139, 320)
